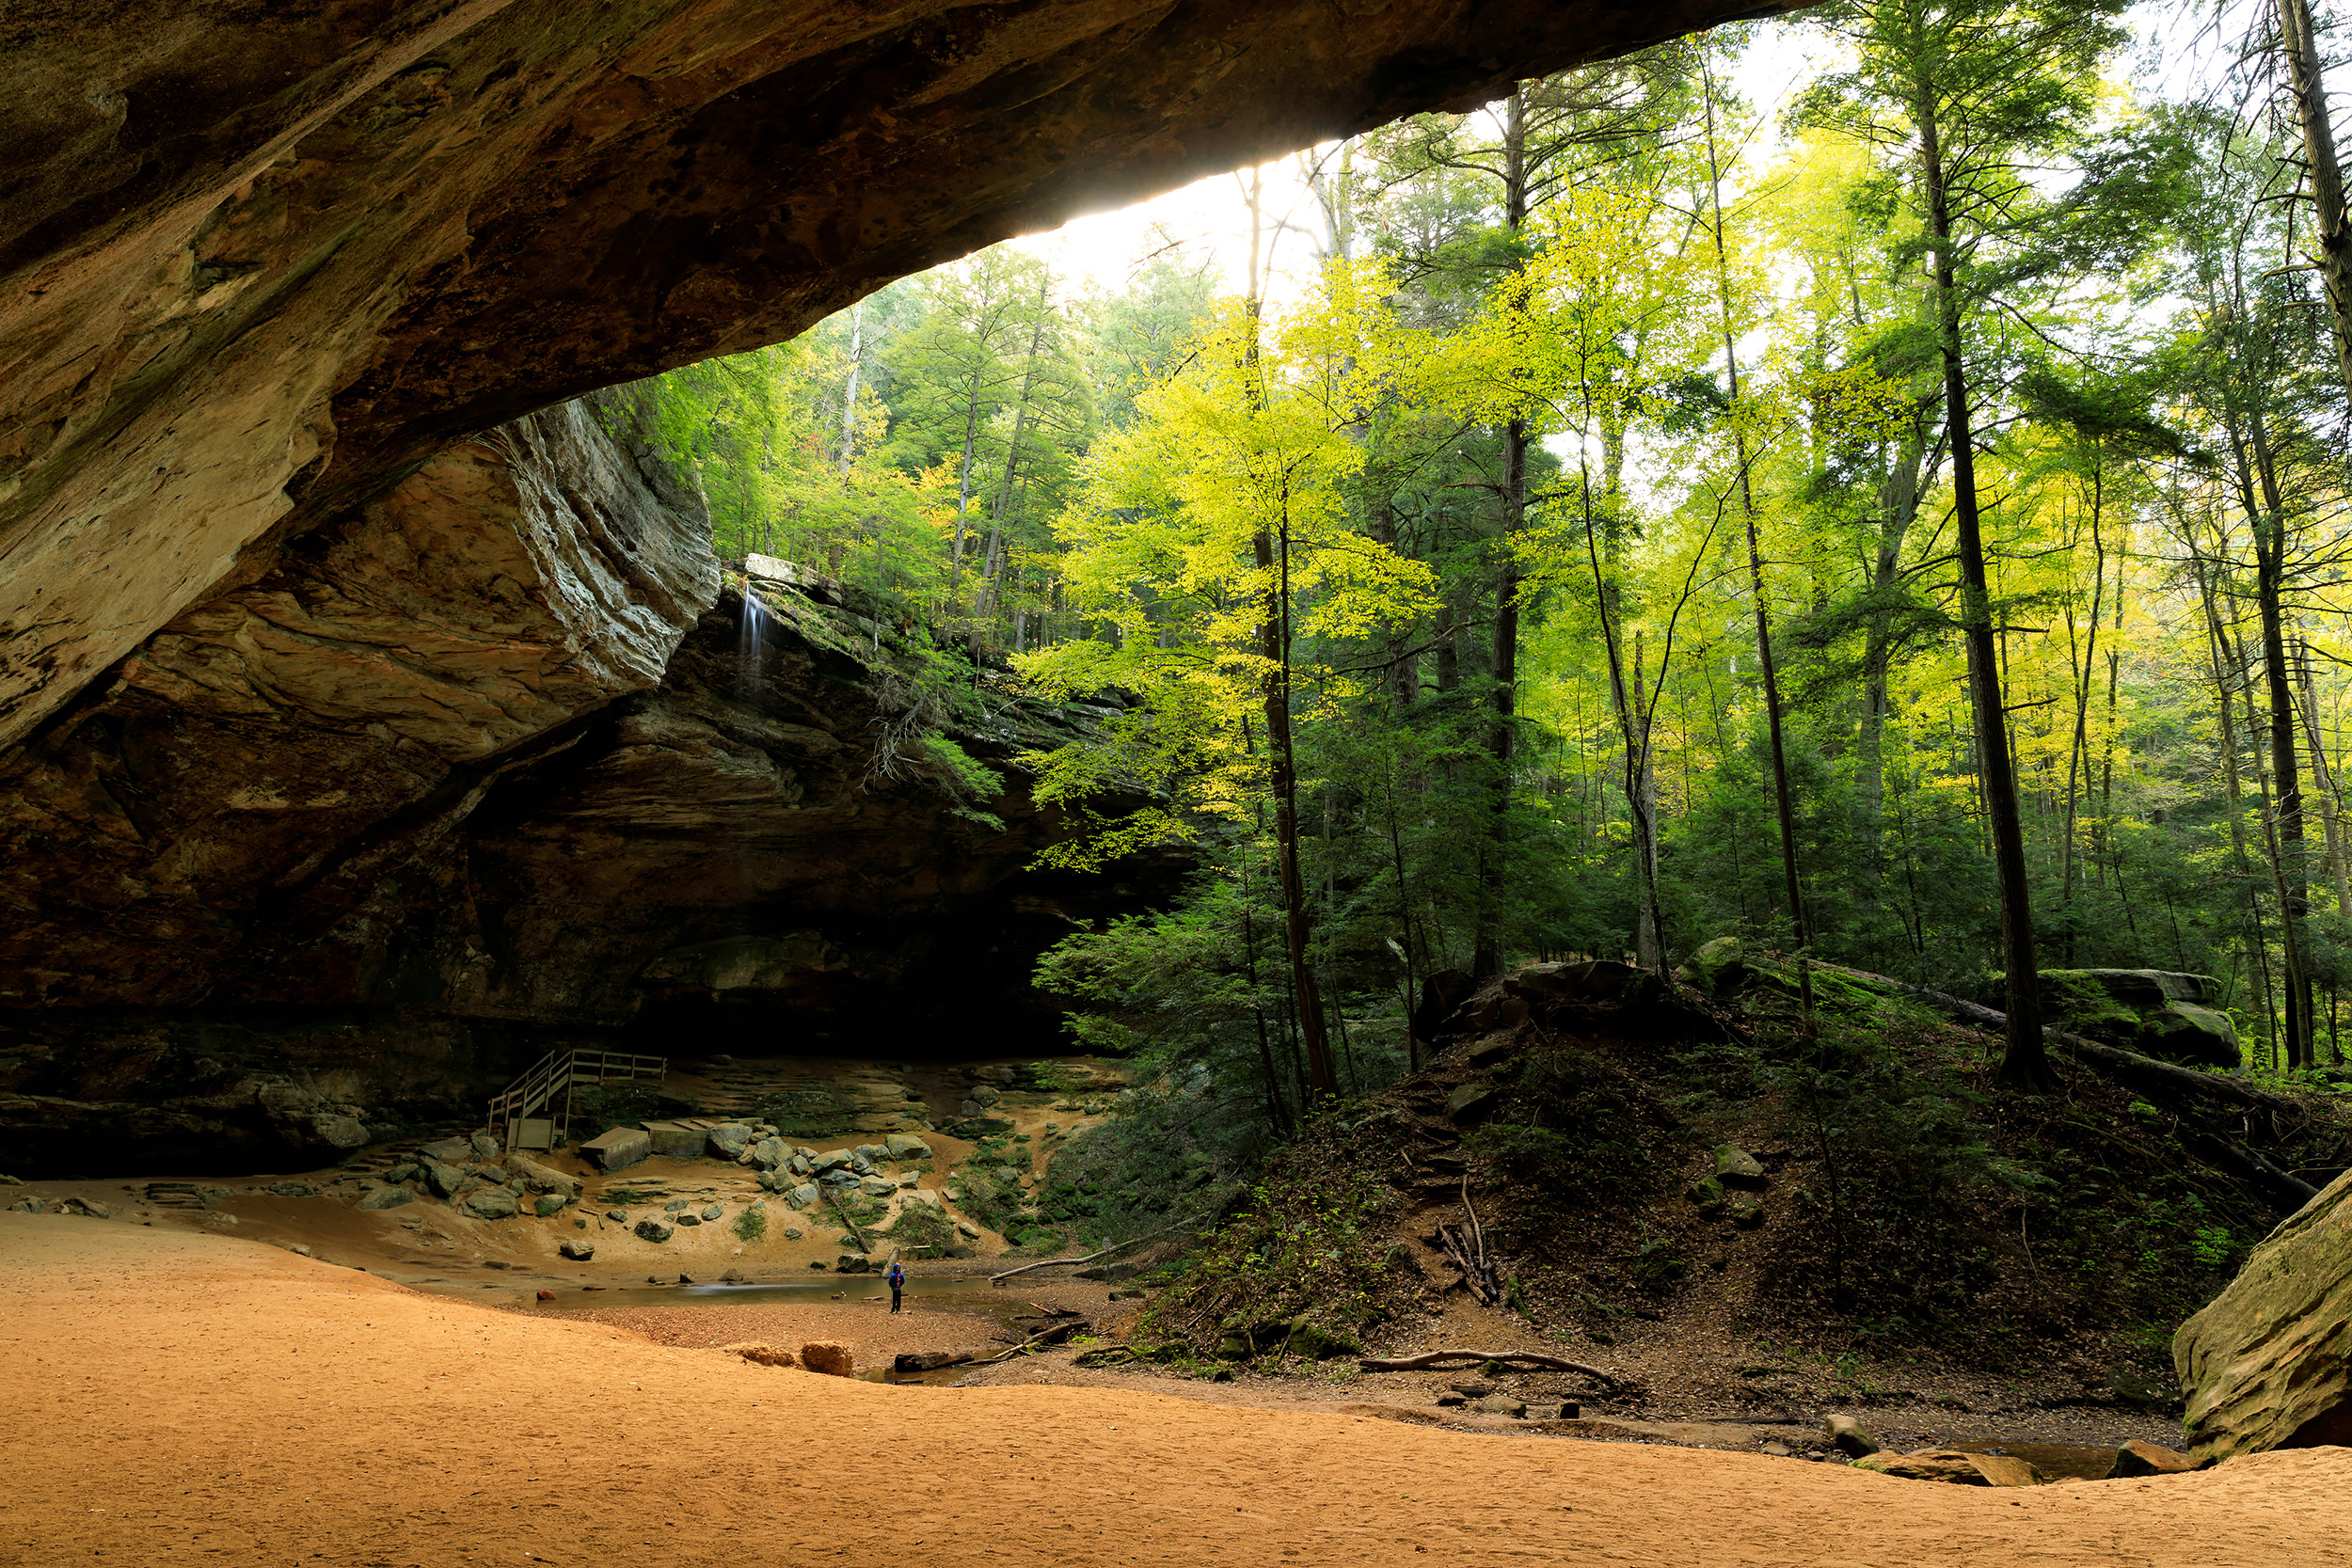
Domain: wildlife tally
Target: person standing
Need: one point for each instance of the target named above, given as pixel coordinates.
(897, 1283)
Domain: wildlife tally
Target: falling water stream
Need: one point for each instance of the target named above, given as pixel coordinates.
(751, 644)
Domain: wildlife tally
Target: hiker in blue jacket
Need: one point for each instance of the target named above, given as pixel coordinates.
(897, 1283)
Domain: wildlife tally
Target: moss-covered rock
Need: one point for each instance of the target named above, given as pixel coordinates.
(2268, 1363)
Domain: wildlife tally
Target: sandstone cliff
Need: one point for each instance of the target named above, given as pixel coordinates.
(499, 761)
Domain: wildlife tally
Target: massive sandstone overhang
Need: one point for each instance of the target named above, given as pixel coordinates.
(257, 262)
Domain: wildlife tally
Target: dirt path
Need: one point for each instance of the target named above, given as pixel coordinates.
(178, 1398)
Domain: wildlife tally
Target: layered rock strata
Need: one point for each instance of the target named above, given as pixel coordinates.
(497, 764)
(256, 262)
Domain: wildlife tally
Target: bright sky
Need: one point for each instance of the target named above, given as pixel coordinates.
(1211, 212)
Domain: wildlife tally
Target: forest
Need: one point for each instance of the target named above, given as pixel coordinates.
(1903, 526)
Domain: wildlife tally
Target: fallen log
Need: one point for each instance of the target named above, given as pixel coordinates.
(1117, 1247)
(2279, 1187)
(2123, 1064)
(1052, 1336)
(1519, 1360)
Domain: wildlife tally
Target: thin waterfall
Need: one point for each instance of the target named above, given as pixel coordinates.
(751, 644)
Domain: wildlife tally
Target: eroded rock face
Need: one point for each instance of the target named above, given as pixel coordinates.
(2268, 1363)
(494, 765)
(256, 262)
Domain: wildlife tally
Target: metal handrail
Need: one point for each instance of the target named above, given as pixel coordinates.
(560, 1071)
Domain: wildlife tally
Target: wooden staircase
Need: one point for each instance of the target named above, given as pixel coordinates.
(536, 1112)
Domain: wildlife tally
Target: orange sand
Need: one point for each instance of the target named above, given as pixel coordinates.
(174, 1397)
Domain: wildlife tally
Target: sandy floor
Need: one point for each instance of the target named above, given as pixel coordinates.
(178, 1398)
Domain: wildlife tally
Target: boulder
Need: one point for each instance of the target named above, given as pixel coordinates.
(2268, 1363)
(768, 1153)
(677, 1206)
(449, 1151)
(839, 1177)
(2138, 1458)
(2186, 1032)
(689, 1218)
(877, 1186)
(1500, 1405)
(829, 1357)
(578, 1252)
(619, 1216)
(873, 1154)
(387, 1197)
(485, 1146)
(549, 1205)
(1708, 1193)
(540, 1178)
(1954, 1468)
(623, 1145)
(773, 1180)
(1736, 1168)
(987, 1096)
(1716, 966)
(727, 1141)
(832, 1159)
(673, 1137)
(851, 1262)
(443, 1180)
(714, 1212)
(492, 1203)
(1471, 1103)
(1746, 1210)
(801, 1195)
(1849, 1436)
(761, 1354)
(290, 1189)
(926, 1360)
(906, 1146)
(651, 1230)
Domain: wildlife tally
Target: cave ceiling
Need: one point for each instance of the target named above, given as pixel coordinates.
(258, 261)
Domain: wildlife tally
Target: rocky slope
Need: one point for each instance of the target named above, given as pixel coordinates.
(497, 762)
(256, 263)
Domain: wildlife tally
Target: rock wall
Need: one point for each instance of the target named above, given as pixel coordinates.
(485, 768)
(257, 262)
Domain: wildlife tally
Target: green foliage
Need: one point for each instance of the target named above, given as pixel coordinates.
(751, 1224)
(1300, 1245)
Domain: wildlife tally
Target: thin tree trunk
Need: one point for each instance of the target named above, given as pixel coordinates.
(2024, 1064)
(849, 393)
(2308, 89)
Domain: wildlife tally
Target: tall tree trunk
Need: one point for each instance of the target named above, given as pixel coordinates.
(1789, 873)
(849, 392)
(2308, 89)
(2025, 1064)
(1274, 646)
(1494, 850)
(2323, 775)
(2270, 530)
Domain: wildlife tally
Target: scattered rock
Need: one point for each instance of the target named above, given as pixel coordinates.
(877, 1186)
(548, 1204)
(768, 1153)
(492, 1203)
(1745, 1209)
(443, 1180)
(298, 1249)
(1500, 1405)
(1707, 1194)
(1473, 1390)
(547, 1295)
(2264, 1364)
(485, 1146)
(829, 1357)
(793, 1232)
(1849, 1436)
(1736, 1168)
(762, 1354)
(850, 1262)
(1547, 1410)
(727, 1141)
(689, 1218)
(686, 1279)
(652, 1229)
(578, 1252)
(966, 1227)
(1470, 1102)
(619, 1216)
(714, 1212)
(490, 1173)
(623, 1145)
(1451, 1401)
(1716, 966)
(1953, 1467)
(905, 1146)
(290, 1189)
(1126, 1295)
(448, 1151)
(540, 1178)
(926, 1360)
(1778, 1450)
(387, 1197)
(801, 1195)
(2138, 1458)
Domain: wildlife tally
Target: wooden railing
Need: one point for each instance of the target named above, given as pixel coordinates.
(548, 1086)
